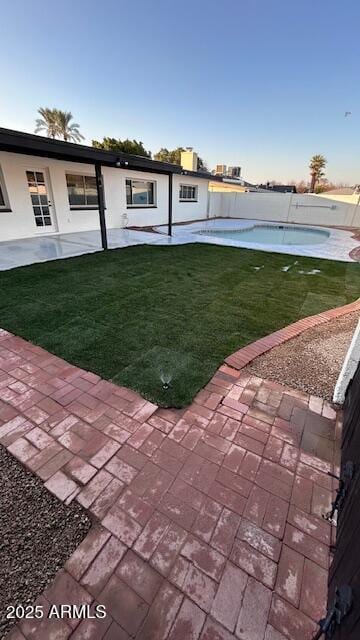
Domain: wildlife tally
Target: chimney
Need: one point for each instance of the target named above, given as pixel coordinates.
(189, 159)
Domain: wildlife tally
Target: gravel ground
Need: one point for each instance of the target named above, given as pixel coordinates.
(312, 361)
(37, 535)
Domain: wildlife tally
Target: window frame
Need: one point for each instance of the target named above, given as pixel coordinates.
(4, 208)
(189, 186)
(141, 206)
(81, 207)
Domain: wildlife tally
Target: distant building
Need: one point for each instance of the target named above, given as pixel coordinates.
(279, 188)
(227, 187)
(220, 170)
(229, 172)
(234, 172)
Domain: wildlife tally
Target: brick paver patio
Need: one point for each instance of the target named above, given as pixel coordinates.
(207, 521)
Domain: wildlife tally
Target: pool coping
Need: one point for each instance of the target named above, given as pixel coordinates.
(242, 357)
(267, 224)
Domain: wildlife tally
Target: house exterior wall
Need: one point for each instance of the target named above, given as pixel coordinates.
(20, 222)
(115, 198)
(285, 207)
(185, 211)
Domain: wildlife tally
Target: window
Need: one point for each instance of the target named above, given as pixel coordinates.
(140, 193)
(188, 193)
(4, 201)
(82, 191)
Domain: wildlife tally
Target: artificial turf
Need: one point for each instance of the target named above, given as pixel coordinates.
(146, 315)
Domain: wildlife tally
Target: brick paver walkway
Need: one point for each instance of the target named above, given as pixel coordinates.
(207, 520)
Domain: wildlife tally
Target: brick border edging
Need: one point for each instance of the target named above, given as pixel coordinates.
(241, 358)
(355, 254)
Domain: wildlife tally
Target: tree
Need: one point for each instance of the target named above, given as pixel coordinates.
(164, 155)
(57, 124)
(174, 157)
(325, 186)
(125, 146)
(316, 166)
(202, 166)
(47, 122)
(322, 186)
(68, 130)
(302, 186)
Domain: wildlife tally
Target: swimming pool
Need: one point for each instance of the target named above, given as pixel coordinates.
(262, 235)
(272, 234)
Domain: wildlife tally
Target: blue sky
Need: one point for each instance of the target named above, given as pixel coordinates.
(263, 84)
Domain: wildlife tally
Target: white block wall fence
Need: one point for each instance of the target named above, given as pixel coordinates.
(285, 207)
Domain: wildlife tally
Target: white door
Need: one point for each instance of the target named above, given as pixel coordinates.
(39, 193)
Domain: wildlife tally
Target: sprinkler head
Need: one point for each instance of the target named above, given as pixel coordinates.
(166, 385)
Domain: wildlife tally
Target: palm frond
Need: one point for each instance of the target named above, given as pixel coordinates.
(47, 122)
(57, 124)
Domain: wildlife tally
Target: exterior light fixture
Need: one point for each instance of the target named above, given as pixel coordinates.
(121, 163)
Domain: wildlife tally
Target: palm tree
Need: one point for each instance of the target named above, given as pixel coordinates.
(316, 166)
(48, 121)
(68, 130)
(57, 124)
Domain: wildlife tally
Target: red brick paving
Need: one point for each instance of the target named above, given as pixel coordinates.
(208, 520)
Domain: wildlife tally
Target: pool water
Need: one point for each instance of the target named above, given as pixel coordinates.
(273, 234)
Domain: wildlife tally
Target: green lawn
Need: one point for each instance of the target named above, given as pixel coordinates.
(140, 314)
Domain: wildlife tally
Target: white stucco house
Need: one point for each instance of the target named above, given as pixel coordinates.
(50, 187)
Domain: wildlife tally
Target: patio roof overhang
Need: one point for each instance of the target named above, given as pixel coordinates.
(30, 144)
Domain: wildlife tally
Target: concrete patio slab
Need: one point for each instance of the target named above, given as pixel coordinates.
(17, 253)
